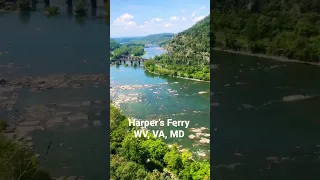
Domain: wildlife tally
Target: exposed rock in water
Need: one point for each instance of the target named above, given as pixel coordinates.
(76, 85)
(192, 136)
(238, 154)
(78, 116)
(96, 123)
(295, 98)
(271, 158)
(86, 103)
(204, 141)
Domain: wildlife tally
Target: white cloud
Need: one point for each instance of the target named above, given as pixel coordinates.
(142, 26)
(146, 22)
(131, 23)
(156, 20)
(183, 19)
(123, 18)
(198, 19)
(167, 25)
(183, 11)
(194, 13)
(174, 18)
(197, 10)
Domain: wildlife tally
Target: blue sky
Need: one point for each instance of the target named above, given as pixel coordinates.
(130, 18)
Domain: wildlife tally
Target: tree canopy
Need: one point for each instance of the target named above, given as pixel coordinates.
(188, 54)
(288, 28)
(150, 159)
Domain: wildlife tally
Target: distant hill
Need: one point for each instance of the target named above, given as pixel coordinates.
(124, 39)
(192, 46)
(188, 54)
(156, 39)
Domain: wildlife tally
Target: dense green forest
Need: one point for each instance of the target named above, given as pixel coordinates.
(188, 54)
(155, 39)
(286, 28)
(17, 162)
(117, 49)
(149, 159)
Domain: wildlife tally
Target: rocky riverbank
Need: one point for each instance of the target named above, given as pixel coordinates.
(22, 121)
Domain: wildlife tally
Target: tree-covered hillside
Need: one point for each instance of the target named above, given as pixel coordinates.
(156, 39)
(286, 28)
(188, 53)
(148, 159)
(117, 50)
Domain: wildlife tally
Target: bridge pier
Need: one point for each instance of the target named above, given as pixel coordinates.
(34, 5)
(47, 3)
(69, 3)
(94, 4)
(94, 12)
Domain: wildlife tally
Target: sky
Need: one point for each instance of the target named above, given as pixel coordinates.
(130, 18)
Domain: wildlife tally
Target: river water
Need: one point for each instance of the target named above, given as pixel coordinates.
(36, 45)
(164, 97)
(262, 130)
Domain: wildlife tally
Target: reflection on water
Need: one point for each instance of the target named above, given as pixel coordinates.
(25, 17)
(265, 119)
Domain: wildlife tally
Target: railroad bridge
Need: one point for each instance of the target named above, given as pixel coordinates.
(94, 3)
(132, 59)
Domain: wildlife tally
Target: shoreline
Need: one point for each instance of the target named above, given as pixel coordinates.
(178, 76)
(276, 58)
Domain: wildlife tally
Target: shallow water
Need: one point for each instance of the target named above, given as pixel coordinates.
(164, 97)
(42, 46)
(255, 119)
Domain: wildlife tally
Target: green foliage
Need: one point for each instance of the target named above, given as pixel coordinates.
(3, 125)
(133, 150)
(157, 175)
(188, 54)
(79, 8)
(17, 162)
(50, 11)
(281, 28)
(149, 63)
(113, 45)
(118, 50)
(120, 169)
(24, 4)
(142, 158)
(173, 160)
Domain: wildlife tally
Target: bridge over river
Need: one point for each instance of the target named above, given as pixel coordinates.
(132, 59)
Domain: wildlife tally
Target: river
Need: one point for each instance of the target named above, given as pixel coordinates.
(164, 97)
(36, 45)
(266, 119)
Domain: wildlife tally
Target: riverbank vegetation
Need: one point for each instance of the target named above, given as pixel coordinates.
(117, 50)
(51, 11)
(188, 54)
(289, 29)
(79, 8)
(142, 158)
(17, 162)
